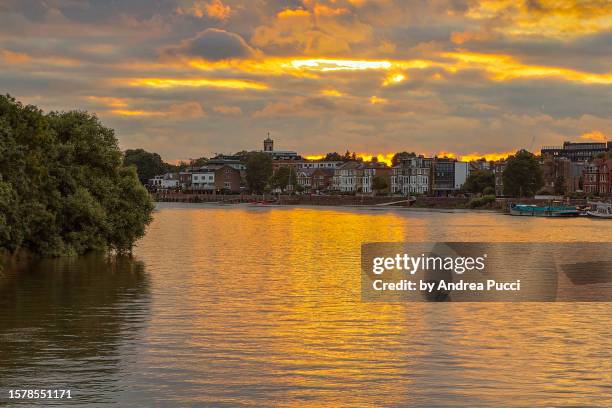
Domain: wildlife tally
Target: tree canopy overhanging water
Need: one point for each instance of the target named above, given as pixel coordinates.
(63, 187)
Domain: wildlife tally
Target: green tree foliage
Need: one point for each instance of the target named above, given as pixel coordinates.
(148, 165)
(284, 177)
(258, 171)
(523, 175)
(333, 156)
(479, 180)
(398, 157)
(63, 188)
(379, 183)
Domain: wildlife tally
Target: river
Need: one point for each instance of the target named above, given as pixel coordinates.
(256, 307)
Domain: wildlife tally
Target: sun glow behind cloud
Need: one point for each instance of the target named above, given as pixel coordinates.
(196, 83)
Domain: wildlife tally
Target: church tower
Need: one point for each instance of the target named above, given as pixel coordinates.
(268, 144)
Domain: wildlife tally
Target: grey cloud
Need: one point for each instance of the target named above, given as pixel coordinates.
(215, 44)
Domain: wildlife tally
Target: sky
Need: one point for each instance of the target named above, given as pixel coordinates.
(191, 78)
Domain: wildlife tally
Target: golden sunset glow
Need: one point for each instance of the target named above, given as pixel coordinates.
(394, 79)
(196, 83)
(505, 67)
(331, 92)
(325, 65)
(388, 157)
(323, 75)
(376, 100)
(595, 136)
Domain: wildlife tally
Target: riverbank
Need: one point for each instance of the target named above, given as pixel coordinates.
(443, 203)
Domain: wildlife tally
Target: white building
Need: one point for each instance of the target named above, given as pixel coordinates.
(168, 180)
(317, 164)
(411, 176)
(203, 180)
(347, 177)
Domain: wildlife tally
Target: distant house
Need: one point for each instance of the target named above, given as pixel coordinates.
(315, 179)
(164, 181)
(411, 176)
(203, 180)
(498, 170)
(322, 179)
(597, 177)
(369, 171)
(347, 178)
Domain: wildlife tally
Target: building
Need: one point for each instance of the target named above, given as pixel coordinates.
(577, 151)
(411, 176)
(203, 179)
(164, 181)
(597, 177)
(448, 176)
(480, 165)
(283, 155)
(347, 178)
(230, 160)
(315, 180)
(554, 168)
(322, 179)
(185, 179)
(498, 170)
(216, 179)
(369, 171)
(320, 164)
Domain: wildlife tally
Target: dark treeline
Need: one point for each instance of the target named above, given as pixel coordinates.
(63, 187)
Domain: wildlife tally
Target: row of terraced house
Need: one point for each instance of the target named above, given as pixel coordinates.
(577, 164)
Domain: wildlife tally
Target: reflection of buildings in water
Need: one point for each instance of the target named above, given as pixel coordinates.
(78, 311)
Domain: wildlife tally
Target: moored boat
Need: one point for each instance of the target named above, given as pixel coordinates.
(600, 210)
(546, 211)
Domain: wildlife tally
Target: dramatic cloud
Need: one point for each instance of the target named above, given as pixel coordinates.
(215, 44)
(190, 78)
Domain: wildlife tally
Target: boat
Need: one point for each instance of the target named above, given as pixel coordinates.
(600, 210)
(546, 211)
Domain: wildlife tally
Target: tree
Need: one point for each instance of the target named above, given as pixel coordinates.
(333, 156)
(379, 183)
(479, 180)
(258, 171)
(522, 176)
(148, 165)
(63, 188)
(398, 157)
(560, 185)
(199, 162)
(284, 177)
(487, 191)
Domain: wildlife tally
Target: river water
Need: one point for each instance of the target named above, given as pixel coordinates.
(257, 307)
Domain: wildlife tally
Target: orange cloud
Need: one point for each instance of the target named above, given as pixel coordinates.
(502, 67)
(11, 57)
(375, 100)
(548, 18)
(317, 29)
(331, 92)
(228, 110)
(109, 101)
(595, 135)
(198, 8)
(238, 84)
(186, 110)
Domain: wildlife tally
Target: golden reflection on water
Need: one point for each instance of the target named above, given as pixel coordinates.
(262, 306)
